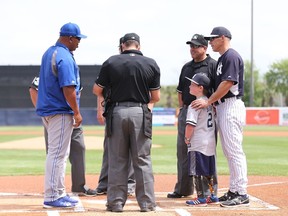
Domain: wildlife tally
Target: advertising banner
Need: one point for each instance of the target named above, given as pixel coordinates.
(262, 116)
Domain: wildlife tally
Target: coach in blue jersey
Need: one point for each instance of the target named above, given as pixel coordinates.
(58, 105)
(134, 81)
(228, 85)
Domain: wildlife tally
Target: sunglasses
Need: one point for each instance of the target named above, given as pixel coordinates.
(213, 38)
(195, 46)
(78, 38)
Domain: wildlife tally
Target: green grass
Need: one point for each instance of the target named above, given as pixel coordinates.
(266, 155)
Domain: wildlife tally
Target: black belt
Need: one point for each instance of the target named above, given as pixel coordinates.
(128, 104)
(185, 106)
(222, 100)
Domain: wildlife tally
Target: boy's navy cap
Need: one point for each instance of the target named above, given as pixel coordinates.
(200, 79)
(131, 36)
(71, 29)
(219, 31)
(198, 39)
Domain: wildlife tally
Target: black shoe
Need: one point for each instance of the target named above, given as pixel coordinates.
(86, 192)
(100, 191)
(174, 195)
(148, 209)
(227, 196)
(116, 208)
(239, 200)
(89, 192)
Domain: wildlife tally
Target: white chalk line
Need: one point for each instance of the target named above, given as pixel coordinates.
(179, 211)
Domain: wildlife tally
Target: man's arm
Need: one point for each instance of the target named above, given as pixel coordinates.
(98, 91)
(180, 101)
(222, 90)
(33, 95)
(70, 96)
(154, 97)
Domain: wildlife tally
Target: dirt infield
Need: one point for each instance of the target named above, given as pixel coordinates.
(22, 195)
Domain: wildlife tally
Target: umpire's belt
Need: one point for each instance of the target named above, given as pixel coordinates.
(222, 100)
(185, 106)
(128, 104)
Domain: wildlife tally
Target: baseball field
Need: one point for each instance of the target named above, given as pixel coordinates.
(22, 158)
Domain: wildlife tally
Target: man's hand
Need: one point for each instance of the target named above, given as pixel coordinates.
(77, 120)
(199, 103)
(100, 117)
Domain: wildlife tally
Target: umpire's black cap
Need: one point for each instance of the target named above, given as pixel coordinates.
(198, 40)
(131, 36)
(200, 79)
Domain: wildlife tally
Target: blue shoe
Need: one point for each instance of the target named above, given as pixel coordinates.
(59, 203)
(67, 198)
(197, 202)
(212, 200)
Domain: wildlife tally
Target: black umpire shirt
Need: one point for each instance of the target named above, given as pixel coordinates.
(207, 66)
(130, 76)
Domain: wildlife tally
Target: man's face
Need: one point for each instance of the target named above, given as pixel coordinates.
(216, 43)
(74, 43)
(197, 52)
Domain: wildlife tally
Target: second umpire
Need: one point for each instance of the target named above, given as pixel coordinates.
(134, 81)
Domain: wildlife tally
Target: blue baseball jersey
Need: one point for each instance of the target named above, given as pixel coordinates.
(58, 69)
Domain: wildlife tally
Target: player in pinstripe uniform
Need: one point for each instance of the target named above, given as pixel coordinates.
(201, 141)
(230, 114)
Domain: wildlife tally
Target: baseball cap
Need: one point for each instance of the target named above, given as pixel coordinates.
(71, 29)
(198, 39)
(120, 41)
(131, 36)
(219, 31)
(200, 79)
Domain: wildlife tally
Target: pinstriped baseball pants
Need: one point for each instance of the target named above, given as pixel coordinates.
(231, 119)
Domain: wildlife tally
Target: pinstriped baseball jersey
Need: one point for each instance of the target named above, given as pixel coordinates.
(203, 139)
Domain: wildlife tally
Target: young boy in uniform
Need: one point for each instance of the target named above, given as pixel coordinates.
(201, 141)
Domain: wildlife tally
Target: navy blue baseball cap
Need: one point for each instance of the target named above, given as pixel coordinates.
(71, 29)
(200, 79)
(219, 31)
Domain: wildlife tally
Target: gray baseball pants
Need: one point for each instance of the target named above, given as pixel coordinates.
(128, 138)
(59, 128)
(76, 158)
(103, 178)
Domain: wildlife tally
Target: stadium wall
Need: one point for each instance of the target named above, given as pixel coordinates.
(16, 107)
(161, 116)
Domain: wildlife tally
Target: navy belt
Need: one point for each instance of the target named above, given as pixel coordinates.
(222, 100)
(128, 104)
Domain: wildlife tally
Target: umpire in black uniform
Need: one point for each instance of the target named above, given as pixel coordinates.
(134, 81)
(201, 62)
